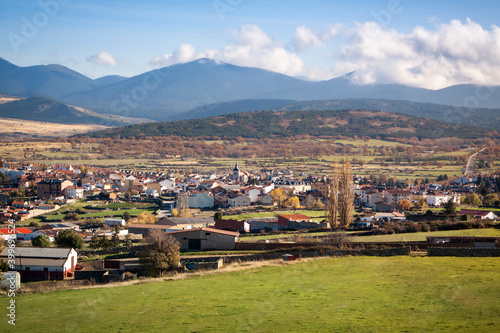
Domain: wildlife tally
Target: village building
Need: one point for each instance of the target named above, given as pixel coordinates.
(37, 263)
(202, 239)
(52, 188)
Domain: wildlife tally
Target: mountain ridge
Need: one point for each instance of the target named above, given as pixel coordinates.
(165, 93)
(262, 124)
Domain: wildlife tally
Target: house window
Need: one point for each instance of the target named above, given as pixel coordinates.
(27, 269)
(207, 234)
(45, 269)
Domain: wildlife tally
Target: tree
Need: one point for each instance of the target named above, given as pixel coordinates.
(332, 199)
(71, 216)
(94, 242)
(126, 216)
(115, 239)
(473, 200)
(104, 242)
(278, 196)
(145, 218)
(127, 242)
(294, 202)
(218, 216)
(175, 212)
(405, 204)
(450, 208)
(69, 238)
(162, 251)
(489, 199)
(4, 266)
(41, 241)
(346, 195)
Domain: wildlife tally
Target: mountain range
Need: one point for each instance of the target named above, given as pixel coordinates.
(175, 92)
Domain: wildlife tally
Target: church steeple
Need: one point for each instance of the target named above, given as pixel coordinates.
(236, 173)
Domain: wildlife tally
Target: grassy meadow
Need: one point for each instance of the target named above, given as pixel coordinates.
(350, 294)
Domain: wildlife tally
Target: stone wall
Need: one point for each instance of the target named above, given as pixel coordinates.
(320, 252)
(462, 252)
(112, 250)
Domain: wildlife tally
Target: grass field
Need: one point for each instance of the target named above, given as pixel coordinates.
(311, 213)
(351, 294)
(421, 236)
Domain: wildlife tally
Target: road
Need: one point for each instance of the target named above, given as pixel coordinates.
(469, 168)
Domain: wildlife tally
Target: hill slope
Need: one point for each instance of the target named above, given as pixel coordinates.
(44, 109)
(458, 115)
(264, 124)
(48, 80)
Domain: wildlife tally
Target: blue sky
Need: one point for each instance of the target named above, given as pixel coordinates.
(420, 43)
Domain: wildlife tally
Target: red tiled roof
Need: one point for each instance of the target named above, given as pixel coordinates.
(474, 212)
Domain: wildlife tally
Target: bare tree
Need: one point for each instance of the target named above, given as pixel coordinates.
(162, 251)
(346, 194)
(332, 200)
(184, 210)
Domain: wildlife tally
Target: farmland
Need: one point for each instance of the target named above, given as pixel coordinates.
(362, 294)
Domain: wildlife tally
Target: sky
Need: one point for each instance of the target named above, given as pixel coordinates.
(420, 43)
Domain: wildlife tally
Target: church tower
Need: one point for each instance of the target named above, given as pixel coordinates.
(236, 173)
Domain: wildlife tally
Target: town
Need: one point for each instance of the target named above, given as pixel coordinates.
(78, 213)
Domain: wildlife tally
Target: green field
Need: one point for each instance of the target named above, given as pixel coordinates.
(315, 214)
(351, 294)
(421, 236)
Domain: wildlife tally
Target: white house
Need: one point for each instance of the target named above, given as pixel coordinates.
(48, 233)
(239, 201)
(253, 193)
(438, 198)
(42, 263)
(74, 192)
(168, 184)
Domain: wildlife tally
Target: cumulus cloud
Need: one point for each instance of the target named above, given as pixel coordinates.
(102, 58)
(250, 47)
(305, 38)
(451, 54)
(184, 53)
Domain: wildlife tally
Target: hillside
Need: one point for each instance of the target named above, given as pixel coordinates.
(246, 105)
(47, 110)
(262, 124)
(458, 115)
(52, 81)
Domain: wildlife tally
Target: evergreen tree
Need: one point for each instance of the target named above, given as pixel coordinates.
(94, 242)
(104, 242)
(450, 208)
(115, 239)
(41, 241)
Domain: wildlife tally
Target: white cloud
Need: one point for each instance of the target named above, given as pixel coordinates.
(254, 48)
(184, 53)
(102, 58)
(305, 38)
(454, 53)
(451, 53)
(250, 47)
